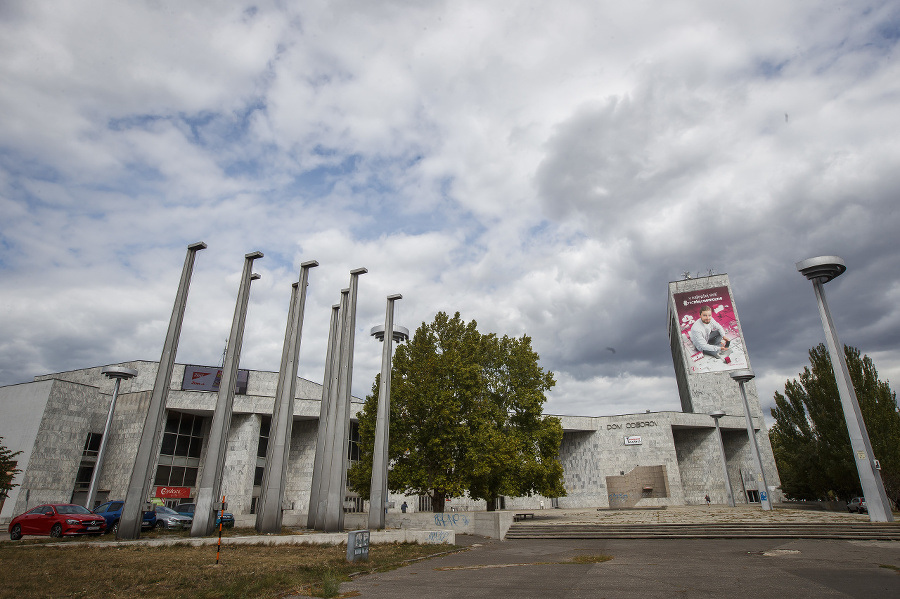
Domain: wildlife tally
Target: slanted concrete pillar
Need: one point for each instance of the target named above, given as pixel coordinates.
(208, 492)
(379, 486)
(145, 461)
(331, 358)
(335, 462)
(269, 509)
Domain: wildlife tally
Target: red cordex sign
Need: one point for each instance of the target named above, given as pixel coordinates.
(173, 492)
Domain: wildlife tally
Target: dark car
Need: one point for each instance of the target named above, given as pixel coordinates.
(170, 519)
(858, 505)
(56, 520)
(112, 512)
(187, 509)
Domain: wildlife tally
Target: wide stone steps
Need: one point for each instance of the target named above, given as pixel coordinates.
(737, 530)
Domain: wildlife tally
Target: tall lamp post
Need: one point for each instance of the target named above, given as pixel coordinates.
(117, 373)
(728, 491)
(742, 376)
(820, 270)
(378, 489)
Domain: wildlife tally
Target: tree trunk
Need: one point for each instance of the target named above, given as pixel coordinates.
(492, 504)
(437, 502)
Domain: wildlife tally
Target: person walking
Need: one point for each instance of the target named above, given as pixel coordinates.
(707, 500)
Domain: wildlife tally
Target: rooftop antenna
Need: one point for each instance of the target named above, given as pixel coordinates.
(224, 351)
(686, 274)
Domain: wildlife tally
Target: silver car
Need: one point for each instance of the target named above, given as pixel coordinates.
(171, 520)
(858, 505)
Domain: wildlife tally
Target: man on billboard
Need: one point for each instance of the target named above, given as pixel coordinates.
(708, 336)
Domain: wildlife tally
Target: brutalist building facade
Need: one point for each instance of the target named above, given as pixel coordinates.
(673, 458)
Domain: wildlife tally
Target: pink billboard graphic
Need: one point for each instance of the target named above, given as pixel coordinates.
(709, 330)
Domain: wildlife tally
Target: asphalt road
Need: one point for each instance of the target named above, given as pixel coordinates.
(525, 569)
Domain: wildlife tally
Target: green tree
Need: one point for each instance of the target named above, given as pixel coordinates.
(465, 418)
(8, 470)
(810, 439)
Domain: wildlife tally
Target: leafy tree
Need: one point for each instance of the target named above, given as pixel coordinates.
(465, 418)
(810, 439)
(8, 470)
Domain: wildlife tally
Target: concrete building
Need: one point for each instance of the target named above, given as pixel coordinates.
(647, 459)
(57, 420)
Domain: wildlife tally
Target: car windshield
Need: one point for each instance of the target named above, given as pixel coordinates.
(161, 509)
(71, 509)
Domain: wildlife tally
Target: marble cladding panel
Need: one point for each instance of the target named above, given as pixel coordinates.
(240, 462)
(71, 410)
(300, 464)
(124, 437)
(699, 463)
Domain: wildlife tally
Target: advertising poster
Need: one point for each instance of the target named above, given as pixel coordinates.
(710, 334)
(207, 378)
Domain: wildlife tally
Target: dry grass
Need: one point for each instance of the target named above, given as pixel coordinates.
(589, 559)
(131, 572)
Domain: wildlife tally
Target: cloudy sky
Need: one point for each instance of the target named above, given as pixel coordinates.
(542, 168)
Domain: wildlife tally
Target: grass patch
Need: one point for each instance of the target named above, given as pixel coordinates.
(181, 571)
(890, 567)
(589, 559)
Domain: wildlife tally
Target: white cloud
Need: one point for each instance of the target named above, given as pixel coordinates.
(542, 168)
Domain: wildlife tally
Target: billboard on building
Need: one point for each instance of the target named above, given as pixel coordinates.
(709, 330)
(207, 378)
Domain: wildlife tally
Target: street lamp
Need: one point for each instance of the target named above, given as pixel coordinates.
(117, 373)
(379, 487)
(742, 376)
(730, 493)
(820, 270)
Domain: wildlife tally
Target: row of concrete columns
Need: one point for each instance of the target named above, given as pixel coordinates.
(330, 467)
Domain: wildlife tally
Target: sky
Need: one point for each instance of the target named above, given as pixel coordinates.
(542, 168)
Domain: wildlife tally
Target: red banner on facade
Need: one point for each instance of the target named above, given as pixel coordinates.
(173, 492)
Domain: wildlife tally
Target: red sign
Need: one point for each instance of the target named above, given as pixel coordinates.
(173, 492)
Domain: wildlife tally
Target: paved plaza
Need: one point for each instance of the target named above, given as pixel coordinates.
(540, 568)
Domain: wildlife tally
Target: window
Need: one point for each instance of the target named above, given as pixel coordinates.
(83, 478)
(353, 445)
(92, 445)
(179, 454)
(264, 429)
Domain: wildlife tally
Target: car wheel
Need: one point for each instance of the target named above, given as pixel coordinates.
(56, 531)
(16, 533)
(160, 524)
(115, 527)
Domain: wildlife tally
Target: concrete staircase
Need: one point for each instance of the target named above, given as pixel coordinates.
(868, 531)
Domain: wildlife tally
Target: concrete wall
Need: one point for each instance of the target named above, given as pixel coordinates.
(23, 409)
(72, 410)
(240, 462)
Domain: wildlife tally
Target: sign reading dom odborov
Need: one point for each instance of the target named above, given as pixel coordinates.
(702, 335)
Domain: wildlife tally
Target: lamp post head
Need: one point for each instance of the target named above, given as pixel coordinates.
(742, 376)
(822, 268)
(401, 334)
(717, 414)
(119, 372)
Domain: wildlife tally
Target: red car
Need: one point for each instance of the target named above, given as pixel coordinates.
(57, 520)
